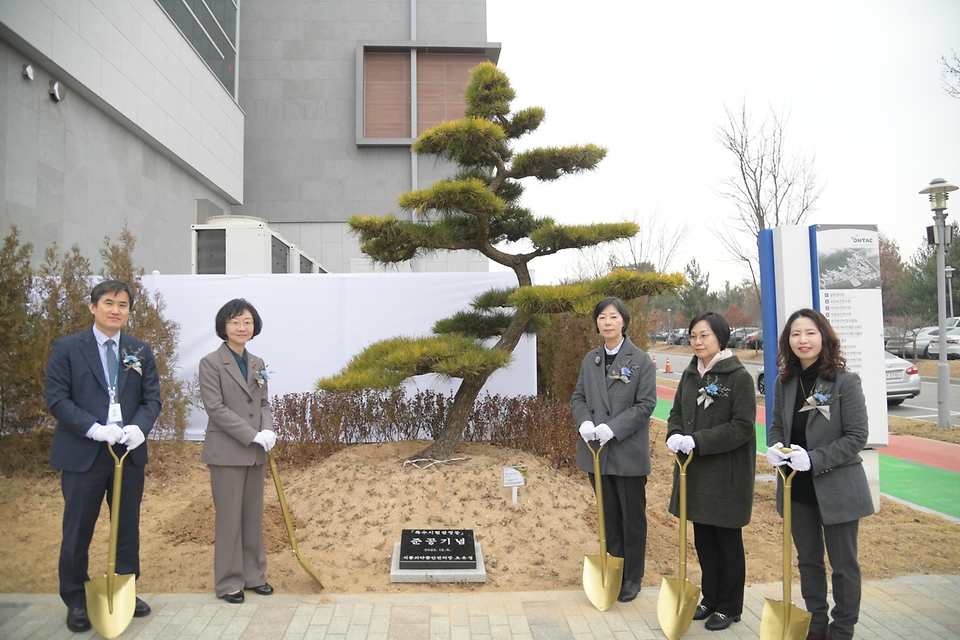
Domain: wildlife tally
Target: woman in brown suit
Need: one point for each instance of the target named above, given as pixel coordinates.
(233, 387)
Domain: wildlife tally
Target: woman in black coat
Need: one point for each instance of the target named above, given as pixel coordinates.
(714, 415)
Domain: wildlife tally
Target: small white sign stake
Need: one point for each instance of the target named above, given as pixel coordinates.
(515, 477)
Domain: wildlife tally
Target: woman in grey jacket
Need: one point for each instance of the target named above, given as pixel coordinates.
(819, 411)
(233, 386)
(714, 415)
(615, 397)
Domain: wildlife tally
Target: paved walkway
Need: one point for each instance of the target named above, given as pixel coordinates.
(910, 607)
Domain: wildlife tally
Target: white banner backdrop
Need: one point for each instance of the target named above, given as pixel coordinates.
(313, 324)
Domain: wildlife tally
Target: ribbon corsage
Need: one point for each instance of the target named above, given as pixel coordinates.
(624, 372)
(819, 400)
(712, 390)
(261, 375)
(131, 360)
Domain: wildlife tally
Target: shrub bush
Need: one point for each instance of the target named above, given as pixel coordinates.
(315, 425)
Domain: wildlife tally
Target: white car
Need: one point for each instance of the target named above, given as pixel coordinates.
(952, 348)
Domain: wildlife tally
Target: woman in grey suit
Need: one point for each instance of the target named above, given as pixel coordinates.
(820, 413)
(233, 386)
(615, 397)
(714, 413)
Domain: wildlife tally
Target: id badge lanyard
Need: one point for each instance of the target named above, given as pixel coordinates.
(114, 414)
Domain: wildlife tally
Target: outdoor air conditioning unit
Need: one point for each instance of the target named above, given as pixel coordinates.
(243, 245)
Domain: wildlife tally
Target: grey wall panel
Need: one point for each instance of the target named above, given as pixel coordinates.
(72, 174)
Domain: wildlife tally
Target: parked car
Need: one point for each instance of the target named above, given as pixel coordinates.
(754, 340)
(738, 337)
(913, 344)
(903, 380)
(680, 336)
(952, 344)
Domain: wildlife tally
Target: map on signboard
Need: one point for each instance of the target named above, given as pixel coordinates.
(848, 259)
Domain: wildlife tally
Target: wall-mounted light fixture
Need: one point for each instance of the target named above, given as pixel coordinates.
(57, 91)
(27, 71)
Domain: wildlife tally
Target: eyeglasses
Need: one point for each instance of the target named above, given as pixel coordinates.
(236, 324)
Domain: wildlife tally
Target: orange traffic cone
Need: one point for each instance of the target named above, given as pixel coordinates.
(655, 367)
(667, 369)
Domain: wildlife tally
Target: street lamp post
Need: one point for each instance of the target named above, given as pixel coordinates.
(949, 273)
(938, 190)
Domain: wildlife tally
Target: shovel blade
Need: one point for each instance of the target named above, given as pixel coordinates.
(111, 611)
(783, 621)
(602, 586)
(676, 605)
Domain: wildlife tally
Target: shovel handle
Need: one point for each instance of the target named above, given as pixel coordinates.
(787, 529)
(683, 464)
(598, 487)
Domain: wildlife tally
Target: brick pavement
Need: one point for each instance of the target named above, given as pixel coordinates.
(908, 607)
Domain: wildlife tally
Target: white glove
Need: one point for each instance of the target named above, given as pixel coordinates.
(132, 437)
(776, 457)
(673, 442)
(109, 433)
(687, 444)
(588, 431)
(265, 439)
(799, 459)
(604, 434)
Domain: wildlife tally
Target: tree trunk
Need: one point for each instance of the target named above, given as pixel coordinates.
(446, 444)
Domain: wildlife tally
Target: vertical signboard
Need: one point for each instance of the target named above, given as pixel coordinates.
(845, 263)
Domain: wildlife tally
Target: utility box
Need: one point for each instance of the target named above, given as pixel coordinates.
(244, 245)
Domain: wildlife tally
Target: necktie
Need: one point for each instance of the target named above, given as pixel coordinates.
(111, 361)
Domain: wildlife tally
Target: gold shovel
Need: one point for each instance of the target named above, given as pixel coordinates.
(602, 573)
(784, 620)
(111, 600)
(286, 519)
(678, 597)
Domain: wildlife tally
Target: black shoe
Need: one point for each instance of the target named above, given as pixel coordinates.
(141, 610)
(263, 590)
(720, 621)
(234, 598)
(629, 590)
(77, 619)
(702, 612)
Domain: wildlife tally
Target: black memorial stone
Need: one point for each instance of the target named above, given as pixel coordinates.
(437, 549)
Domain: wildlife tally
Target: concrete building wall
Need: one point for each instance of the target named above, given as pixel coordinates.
(144, 132)
(304, 172)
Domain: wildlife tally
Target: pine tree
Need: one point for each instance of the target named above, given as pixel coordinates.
(479, 209)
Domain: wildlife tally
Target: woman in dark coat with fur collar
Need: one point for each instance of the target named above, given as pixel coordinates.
(714, 415)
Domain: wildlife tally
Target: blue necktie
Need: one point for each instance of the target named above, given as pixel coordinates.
(111, 361)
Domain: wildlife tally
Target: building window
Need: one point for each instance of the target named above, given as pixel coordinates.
(392, 86)
(441, 80)
(386, 88)
(210, 26)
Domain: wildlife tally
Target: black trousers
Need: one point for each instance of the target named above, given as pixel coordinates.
(723, 565)
(625, 519)
(810, 536)
(83, 495)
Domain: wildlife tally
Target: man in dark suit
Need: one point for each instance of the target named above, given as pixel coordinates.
(102, 387)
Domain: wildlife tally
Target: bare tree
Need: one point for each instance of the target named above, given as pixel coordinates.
(951, 74)
(768, 186)
(654, 247)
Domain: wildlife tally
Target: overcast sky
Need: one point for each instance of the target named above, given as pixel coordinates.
(861, 82)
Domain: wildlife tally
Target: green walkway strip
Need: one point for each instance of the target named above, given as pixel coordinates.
(926, 486)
